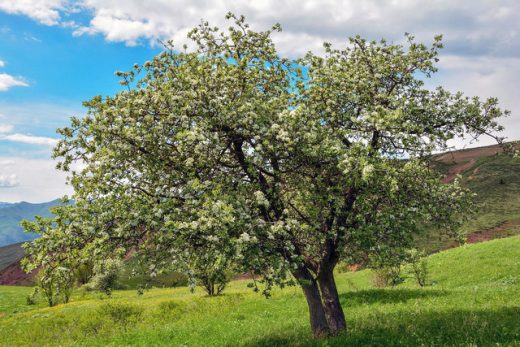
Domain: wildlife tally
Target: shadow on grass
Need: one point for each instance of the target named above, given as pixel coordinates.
(428, 328)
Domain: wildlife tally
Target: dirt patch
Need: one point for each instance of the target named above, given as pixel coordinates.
(464, 155)
(503, 230)
(13, 275)
(458, 169)
(465, 159)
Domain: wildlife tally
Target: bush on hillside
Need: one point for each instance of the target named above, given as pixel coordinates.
(388, 275)
(212, 273)
(419, 266)
(107, 276)
(55, 284)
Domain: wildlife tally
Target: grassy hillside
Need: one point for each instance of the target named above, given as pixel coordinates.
(12, 214)
(473, 300)
(495, 179)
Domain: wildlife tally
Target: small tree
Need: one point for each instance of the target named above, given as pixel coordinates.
(107, 274)
(299, 163)
(419, 265)
(212, 274)
(47, 288)
(387, 264)
(55, 284)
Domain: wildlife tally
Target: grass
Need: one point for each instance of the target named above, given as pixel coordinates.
(496, 179)
(473, 299)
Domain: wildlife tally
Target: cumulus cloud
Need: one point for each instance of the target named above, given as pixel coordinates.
(44, 11)
(485, 76)
(7, 81)
(37, 180)
(482, 44)
(8, 181)
(29, 139)
(470, 27)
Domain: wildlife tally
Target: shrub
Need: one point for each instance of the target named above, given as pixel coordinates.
(211, 273)
(84, 271)
(107, 276)
(214, 282)
(55, 284)
(419, 265)
(387, 275)
(31, 298)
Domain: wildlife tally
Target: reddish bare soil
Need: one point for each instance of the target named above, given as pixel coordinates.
(463, 160)
(500, 231)
(458, 169)
(13, 275)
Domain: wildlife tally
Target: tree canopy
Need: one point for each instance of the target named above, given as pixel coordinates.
(227, 150)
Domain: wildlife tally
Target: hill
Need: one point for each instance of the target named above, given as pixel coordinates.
(10, 254)
(11, 272)
(12, 214)
(473, 300)
(495, 179)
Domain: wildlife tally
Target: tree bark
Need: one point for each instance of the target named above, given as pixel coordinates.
(331, 304)
(319, 325)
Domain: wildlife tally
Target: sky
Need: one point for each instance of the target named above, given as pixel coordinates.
(54, 54)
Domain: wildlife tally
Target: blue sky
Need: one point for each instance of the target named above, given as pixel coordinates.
(54, 54)
(59, 69)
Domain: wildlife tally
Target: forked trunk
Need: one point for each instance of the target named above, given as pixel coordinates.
(331, 304)
(319, 325)
(325, 312)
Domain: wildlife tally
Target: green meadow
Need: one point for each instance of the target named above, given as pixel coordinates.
(473, 299)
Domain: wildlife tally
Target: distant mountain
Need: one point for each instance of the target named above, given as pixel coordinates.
(12, 214)
(4, 204)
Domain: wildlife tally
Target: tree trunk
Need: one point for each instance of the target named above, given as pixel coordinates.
(331, 304)
(319, 325)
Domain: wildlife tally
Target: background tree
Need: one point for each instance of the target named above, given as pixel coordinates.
(296, 163)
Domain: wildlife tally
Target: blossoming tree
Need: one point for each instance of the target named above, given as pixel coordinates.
(224, 149)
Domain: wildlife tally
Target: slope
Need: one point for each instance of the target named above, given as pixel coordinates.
(473, 300)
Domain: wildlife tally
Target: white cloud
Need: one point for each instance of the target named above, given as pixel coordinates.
(8, 181)
(38, 180)
(6, 128)
(8, 81)
(476, 25)
(482, 54)
(29, 139)
(44, 11)
(38, 117)
(485, 77)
